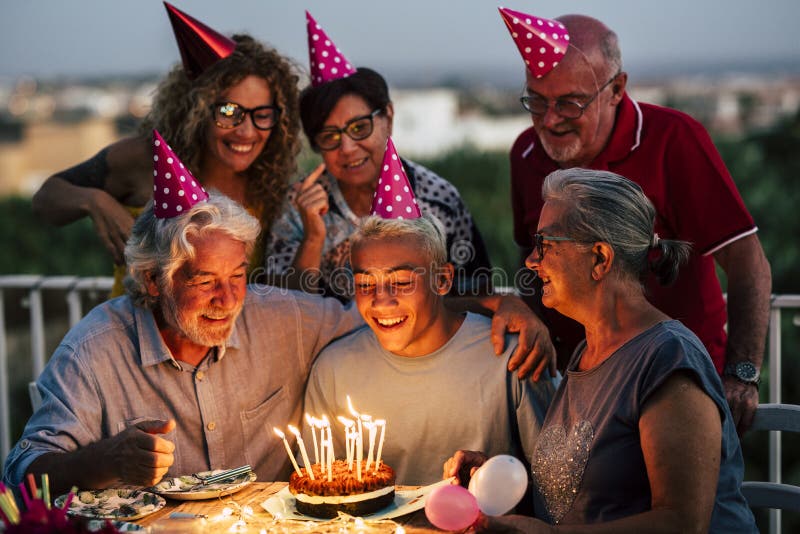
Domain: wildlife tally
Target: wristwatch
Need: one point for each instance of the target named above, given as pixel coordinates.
(744, 372)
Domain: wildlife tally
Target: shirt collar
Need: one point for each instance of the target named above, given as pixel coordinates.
(153, 350)
(627, 133)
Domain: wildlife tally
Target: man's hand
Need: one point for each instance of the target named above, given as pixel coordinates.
(463, 465)
(743, 401)
(535, 351)
(140, 455)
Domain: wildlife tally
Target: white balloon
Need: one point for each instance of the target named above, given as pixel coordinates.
(499, 484)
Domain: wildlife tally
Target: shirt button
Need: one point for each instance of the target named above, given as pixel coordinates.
(212, 425)
(200, 375)
(24, 444)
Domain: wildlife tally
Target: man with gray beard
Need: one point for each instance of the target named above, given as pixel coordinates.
(188, 372)
(582, 116)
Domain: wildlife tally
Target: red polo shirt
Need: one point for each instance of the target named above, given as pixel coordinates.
(672, 158)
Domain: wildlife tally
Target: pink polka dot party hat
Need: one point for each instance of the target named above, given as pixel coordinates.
(175, 190)
(200, 46)
(541, 42)
(327, 61)
(394, 198)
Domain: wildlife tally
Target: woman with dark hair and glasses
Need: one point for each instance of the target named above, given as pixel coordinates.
(348, 121)
(231, 116)
(639, 436)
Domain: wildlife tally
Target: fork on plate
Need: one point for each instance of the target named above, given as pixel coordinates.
(206, 480)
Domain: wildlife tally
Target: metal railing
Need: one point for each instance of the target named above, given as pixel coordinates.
(75, 287)
(33, 286)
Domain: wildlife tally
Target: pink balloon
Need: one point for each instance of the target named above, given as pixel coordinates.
(451, 508)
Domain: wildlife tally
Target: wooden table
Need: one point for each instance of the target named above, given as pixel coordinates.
(252, 496)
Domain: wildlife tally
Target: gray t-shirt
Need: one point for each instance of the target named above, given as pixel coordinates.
(113, 370)
(459, 397)
(588, 465)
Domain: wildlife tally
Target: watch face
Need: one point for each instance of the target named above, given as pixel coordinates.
(746, 371)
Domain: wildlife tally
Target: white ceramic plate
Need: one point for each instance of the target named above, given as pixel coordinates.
(181, 488)
(114, 503)
(281, 505)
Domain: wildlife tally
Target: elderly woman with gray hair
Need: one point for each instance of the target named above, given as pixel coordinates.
(639, 437)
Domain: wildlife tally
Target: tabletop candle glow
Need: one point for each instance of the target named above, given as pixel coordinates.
(288, 450)
(302, 446)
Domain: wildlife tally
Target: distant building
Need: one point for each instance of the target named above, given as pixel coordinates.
(45, 128)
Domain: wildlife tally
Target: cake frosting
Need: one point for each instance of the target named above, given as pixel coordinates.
(321, 498)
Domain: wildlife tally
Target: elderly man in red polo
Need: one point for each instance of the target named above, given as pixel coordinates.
(582, 117)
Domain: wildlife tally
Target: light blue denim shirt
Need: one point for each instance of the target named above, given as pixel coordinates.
(113, 370)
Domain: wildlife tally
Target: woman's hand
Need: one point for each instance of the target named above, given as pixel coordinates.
(462, 465)
(112, 222)
(511, 524)
(312, 203)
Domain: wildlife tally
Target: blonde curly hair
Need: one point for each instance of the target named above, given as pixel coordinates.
(182, 113)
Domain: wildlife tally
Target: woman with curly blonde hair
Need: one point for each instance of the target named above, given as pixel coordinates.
(235, 126)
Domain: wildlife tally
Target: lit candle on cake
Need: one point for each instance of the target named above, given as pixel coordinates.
(351, 451)
(370, 426)
(359, 438)
(381, 423)
(327, 425)
(347, 424)
(310, 420)
(302, 446)
(288, 450)
(330, 456)
(355, 414)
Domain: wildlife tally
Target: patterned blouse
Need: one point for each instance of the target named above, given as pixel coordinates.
(435, 196)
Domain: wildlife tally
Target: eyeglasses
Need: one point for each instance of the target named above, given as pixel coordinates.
(230, 115)
(539, 239)
(357, 128)
(568, 109)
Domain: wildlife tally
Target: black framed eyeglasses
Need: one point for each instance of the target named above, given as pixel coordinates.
(539, 239)
(564, 107)
(230, 115)
(357, 128)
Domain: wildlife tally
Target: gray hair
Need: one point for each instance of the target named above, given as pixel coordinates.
(427, 230)
(603, 206)
(160, 247)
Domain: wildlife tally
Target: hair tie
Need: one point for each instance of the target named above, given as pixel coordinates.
(655, 241)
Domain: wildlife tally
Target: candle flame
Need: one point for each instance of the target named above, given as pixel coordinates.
(345, 421)
(350, 406)
(278, 432)
(325, 420)
(294, 431)
(380, 422)
(310, 420)
(366, 418)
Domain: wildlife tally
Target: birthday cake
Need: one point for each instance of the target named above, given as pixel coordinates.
(345, 493)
